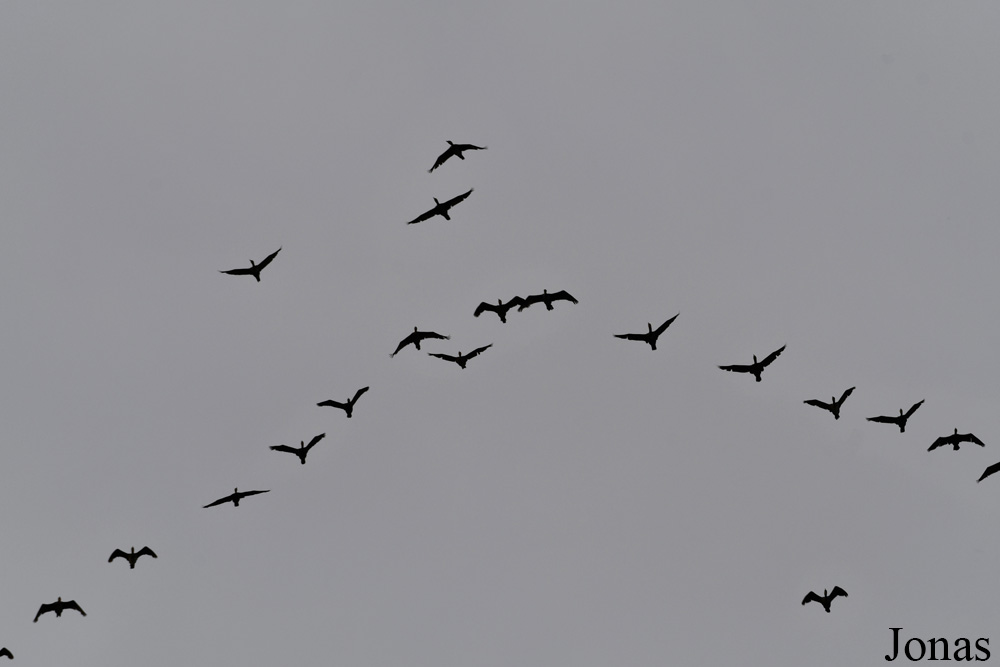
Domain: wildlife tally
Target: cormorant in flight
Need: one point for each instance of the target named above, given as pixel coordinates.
(58, 607)
(462, 359)
(440, 208)
(415, 339)
(757, 367)
(132, 556)
(899, 421)
(825, 599)
(651, 335)
(456, 150)
(235, 497)
(955, 439)
(302, 450)
(547, 299)
(500, 309)
(834, 404)
(347, 407)
(254, 269)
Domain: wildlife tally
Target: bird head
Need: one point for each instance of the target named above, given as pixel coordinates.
(649, 325)
(755, 358)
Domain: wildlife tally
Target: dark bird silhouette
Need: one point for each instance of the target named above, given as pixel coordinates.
(547, 299)
(500, 309)
(347, 407)
(58, 607)
(6, 652)
(462, 359)
(824, 599)
(415, 338)
(651, 335)
(834, 404)
(235, 497)
(456, 150)
(955, 439)
(254, 269)
(303, 449)
(440, 208)
(757, 367)
(899, 421)
(132, 556)
(989, 471)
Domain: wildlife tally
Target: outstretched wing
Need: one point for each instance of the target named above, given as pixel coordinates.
(454, 200)
(846, 393)
(478, 351)
(940, 442)
(446, 357)
(812, 597)
(837, 590)
(267, 260)
(989, 471)
(227, 499)
(6, 651)
(630, 336)
(663, 327)
(736, 368)
(358, 393)
(515, 301)
(335, 404)
(486, 306)
(243, 494)
(46, 607)
(145, 551)
(529, 300)
(818, 403)
(281, 448)
(238, 272)
(771, 357)
(443, 158)
(973, 439)
(883, 419)
(432, 334)
(116, 553)
(71, 604)
(426, 215)
(914, 408)
(563, 295)
(315, 440)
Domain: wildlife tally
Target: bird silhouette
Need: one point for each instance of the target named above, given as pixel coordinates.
(547, 299)
(834, 404)
(234, 497)
(757, 367)
(440, 208)
(989, 471)
(899, 421)
(651, 335)
(825, 599)
(6, 652)
(302, 450)
(415, 338)
(955, 439)
(456, 150)
(347, 407)
(254, 269)
(132, 556)
(58, 607)
(462, 359)
(500, 309)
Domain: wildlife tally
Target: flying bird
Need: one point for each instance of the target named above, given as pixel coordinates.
(757, 367)
(547, 299)
(415, 339)
(834, 404)
(254, 269)
(440, 208)
(462, 359)
(500, 309)
(347, 407)
(989, 471)
(132, 556)
(899, 421)
(58, 607)
(955, 439)
(235, 497)
(6, 652)
(824, 599)
(456, 150)
(303, 449)
(651, 335)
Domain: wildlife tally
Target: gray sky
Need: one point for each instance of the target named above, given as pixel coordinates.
(821, 177)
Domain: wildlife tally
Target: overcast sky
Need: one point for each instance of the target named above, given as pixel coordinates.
(788, 173)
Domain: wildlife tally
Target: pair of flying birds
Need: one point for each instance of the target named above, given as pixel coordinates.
(501, 308)
(442, 207)
(416, 336)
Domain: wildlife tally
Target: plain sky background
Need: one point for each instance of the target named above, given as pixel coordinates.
(817, 175)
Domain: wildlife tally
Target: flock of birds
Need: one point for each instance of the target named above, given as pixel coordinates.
(501, 309)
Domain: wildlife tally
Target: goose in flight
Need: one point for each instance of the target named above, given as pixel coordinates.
(234, 497)
(456, 150)
(415, 338)
(757, 367)
(899, 421)
(500, 309)
(6, 652)
(132, 556)
(302, 449)
(347, 407)
(547, 299)
(254, 269)
(834, 404)
(955, 439)
(824, 599)
(651, 335)
(462, 359)
(58, 607)
(440, 208)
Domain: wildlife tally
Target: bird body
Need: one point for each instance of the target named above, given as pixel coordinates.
(302, 449)
(348, 406)
(899, 421)
(456, 150)
(462, 359)
(500, 309)
(440, 208)
(234, 497)
(757, 367)
(59, 606)
(651, 335)
(833, 406)
(415, 338)
(254, 269)
(547, 299)
(955, 439)
(132, 556)
(824, 599)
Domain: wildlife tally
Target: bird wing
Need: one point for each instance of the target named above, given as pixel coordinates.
(454, 200)
(238, 272)
(884, 419)
(243, 494)
(227, 499)
(45, 608)
(116, 553)
(940, 442)
(476, 352)
(486, 306)
(837, 590)
(811, 597)
(515, 301)
(281, 448)
(563, 295)
(971, 438)
(406, 341)
(267, 260)
(530, 299)
(6, 651)
(315, 440)
(426, 215)
(443, 158)
(771, 357)
(630, 336)
(145, 551)
(446, 357)
(335, 404)
(846, 393)
(358, 393)
(989, 471)
(663, 327)
(432, 334)
(914, 408)
(736, 368)
(71, 604)
(470, 147)
(818, 403)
